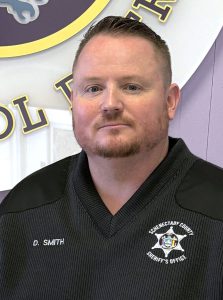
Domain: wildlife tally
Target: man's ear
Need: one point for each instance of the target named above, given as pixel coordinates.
(173, 98)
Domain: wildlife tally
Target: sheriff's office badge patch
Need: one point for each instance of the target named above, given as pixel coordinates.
(168, 248)
(29, 26)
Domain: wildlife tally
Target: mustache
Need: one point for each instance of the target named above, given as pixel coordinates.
(106, 119)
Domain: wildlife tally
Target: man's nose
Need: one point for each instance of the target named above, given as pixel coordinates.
(112, 101)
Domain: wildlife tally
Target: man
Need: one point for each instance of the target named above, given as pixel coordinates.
(135, 215)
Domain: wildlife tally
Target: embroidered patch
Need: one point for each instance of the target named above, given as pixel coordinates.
(168, 241)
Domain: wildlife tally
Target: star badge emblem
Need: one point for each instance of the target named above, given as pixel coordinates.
(169, 241)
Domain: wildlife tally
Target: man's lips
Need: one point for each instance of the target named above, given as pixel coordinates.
(113, 125)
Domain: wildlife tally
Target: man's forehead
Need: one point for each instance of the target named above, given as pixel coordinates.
(107, 46)
(106, 41)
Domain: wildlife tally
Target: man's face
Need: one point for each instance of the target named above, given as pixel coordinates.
(121, 105)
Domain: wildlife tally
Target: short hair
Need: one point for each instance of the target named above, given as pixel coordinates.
(116, 26)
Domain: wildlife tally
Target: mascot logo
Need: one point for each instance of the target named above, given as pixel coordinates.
(24, 12)
(36, 25)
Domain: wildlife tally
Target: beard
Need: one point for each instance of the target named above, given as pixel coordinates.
(115, 146)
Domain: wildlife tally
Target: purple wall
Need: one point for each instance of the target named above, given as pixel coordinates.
(199, 119)
(2, 195)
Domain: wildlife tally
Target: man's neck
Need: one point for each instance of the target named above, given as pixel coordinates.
(117, 179)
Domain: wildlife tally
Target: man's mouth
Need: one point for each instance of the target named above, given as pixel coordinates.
(113, 125)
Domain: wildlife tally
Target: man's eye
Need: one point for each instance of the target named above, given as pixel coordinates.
(132, 88)
(93, 89)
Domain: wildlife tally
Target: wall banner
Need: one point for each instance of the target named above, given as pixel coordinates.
(38, 41)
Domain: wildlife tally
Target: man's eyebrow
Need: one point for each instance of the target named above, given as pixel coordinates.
(122, 79)
(132, 77)
(127, 77)
(146, 82)
(86, 80)
(89, 79)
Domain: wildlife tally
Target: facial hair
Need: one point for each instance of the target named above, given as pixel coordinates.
(116, 147)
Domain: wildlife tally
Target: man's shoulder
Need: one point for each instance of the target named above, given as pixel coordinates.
(201, 190)
(41, 187)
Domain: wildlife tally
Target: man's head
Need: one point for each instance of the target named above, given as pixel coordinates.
(122, 98)
(119, 26)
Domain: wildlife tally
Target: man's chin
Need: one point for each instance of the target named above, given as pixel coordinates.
(119, 151)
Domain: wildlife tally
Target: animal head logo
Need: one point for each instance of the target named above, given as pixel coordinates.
(23, 11)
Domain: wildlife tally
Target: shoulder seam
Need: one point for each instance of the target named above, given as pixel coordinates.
(31, 208)
(199, 213)
(42, 194)
(194, 186)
